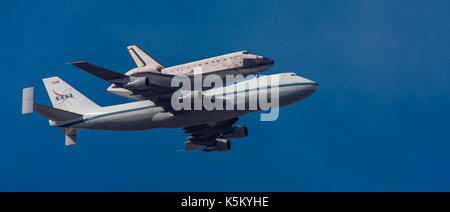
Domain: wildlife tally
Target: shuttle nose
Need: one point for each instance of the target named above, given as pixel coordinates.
(268, 61)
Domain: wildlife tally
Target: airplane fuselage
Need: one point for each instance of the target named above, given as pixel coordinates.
(143, 115)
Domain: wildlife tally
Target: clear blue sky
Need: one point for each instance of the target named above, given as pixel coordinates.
(379, 121)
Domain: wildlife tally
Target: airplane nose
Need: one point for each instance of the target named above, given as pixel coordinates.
(311, 88)
(301, 89)
(308, 86)
(315, 85)
(308, 82)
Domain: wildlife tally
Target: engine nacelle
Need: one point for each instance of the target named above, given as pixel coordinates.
(236, 132)
(222, 145)
(138, 83)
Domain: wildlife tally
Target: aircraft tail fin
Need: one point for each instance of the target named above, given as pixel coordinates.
(142, 58)
(65, 97)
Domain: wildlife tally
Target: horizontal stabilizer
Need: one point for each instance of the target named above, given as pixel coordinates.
(27, 100)
(55, 114)
(98, 71)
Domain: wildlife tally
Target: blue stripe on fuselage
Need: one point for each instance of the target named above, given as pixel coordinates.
(150, 107)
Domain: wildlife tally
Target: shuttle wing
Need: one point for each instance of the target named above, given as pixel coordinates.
(98, 71)
(119, 78)
(159, 92)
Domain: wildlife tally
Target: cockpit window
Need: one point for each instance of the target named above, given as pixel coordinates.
(245, 52)
(293, 74)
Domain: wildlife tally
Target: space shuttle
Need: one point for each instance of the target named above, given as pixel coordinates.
(151, 72)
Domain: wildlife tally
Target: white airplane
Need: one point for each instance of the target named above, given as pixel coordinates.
(208, 129)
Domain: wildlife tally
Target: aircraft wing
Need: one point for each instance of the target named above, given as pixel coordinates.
(159, 93)
(119, 78)
(98, 71)
(206, 135)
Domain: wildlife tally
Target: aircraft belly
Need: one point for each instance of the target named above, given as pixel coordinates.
(200, 117)
(132, 121)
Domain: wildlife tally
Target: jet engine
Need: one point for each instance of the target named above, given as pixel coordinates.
(236, 132)
(138, 83)
(222, 145)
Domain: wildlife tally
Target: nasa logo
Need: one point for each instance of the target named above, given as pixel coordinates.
(63, 97)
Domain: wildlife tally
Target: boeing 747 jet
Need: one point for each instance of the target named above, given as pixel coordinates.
(151, 84)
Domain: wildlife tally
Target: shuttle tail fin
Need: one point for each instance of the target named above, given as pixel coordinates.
(65, 97)
(142, 58)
